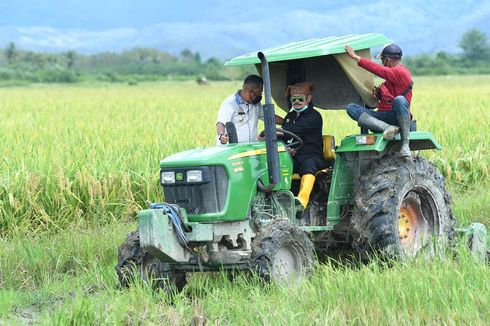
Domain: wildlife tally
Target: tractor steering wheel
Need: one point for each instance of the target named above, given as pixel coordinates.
(296, 144)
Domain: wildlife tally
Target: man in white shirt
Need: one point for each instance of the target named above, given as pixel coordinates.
(243, 108)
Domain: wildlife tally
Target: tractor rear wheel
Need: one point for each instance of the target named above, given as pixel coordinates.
(402, 209)
(282, 253)
(136, 264)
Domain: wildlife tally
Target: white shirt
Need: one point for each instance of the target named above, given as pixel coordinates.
(244, 115)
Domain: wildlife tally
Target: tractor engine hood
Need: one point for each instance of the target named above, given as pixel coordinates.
(217, 155)
(228, 179)
(198, 156)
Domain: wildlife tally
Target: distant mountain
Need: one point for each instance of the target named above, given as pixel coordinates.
(226, 28)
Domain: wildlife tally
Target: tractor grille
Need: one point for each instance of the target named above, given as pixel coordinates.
(201, 198)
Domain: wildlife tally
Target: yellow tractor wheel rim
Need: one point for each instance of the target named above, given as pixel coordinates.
(409, 222)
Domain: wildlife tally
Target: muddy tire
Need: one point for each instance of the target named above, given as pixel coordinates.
(282, 253)
(136, 264)
(402, 209)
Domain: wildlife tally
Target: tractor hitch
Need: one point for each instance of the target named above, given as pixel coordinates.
(476, 237)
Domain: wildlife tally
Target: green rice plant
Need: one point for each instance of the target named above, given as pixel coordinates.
(69, 278)
(83, 155)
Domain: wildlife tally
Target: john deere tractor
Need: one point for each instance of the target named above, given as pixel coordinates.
(233, 207)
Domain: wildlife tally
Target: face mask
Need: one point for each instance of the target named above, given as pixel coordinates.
(257, 100)
(300, 110)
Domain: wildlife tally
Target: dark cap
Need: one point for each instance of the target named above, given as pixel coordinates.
(390, 51)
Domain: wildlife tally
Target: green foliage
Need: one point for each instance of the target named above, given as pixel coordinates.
(147, 64)
(474, 60)
(57, 76)
(475, 46)
(83, 154)
(144, 64)
(69, 279)
(79, 160)
(11, 53)
(70, 59)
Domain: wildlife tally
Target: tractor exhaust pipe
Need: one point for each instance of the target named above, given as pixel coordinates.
(270, 129)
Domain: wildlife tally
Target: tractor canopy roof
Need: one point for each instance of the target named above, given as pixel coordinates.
(338, 80)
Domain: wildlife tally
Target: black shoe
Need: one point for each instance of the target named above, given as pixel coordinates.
(306, 216)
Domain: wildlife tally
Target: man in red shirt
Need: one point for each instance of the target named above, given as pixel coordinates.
(394, 95)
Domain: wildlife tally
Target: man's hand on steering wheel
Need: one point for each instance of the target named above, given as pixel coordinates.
(292, 151)
(295, 145)
(292, 147)
(261, 135)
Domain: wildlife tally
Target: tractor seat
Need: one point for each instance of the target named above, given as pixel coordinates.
(328, 152)
(328, 147)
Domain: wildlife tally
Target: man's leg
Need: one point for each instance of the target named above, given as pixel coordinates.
(369, 121)
(373, 120)
(402, 111)
(308, 169)
(355, 110)
(305, 188)
(400, 106)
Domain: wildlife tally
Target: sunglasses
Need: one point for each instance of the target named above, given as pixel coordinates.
(297, 98)
(256, 95)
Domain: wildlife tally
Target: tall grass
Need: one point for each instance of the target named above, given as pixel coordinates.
(80, 154)
(456, 111)
(78, 161)
(70, 279)
(77, 155)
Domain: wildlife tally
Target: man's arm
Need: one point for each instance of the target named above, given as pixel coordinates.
(351, 53)
(386, 73)
(377, 69)
(279, 120)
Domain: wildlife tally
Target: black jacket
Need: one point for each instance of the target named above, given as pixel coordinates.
(308, 126)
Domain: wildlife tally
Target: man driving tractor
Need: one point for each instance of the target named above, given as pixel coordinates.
(304, 121)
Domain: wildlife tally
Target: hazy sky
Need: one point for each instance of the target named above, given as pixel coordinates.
(227, 28)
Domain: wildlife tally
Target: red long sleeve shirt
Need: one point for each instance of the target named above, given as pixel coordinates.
(396, 82)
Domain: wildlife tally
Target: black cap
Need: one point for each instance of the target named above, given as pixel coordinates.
(390, 51)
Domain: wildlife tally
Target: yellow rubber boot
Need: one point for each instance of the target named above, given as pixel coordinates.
(305, 188)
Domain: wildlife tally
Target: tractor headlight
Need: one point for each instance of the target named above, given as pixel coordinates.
(365, 140)
(167, 177)
(194, 176)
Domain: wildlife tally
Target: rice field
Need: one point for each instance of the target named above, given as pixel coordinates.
(78, 161)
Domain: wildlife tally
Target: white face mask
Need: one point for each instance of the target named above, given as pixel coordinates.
(300, 110)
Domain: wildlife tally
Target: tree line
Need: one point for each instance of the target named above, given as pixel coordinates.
(132, 66)
(145, 64)
(474, 59)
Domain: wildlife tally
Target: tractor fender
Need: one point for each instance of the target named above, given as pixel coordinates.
(419, 140)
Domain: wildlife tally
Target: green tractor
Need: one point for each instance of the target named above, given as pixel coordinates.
(233, 207)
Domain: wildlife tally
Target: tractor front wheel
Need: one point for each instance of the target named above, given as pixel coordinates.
(136, 264)
(282, 253)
